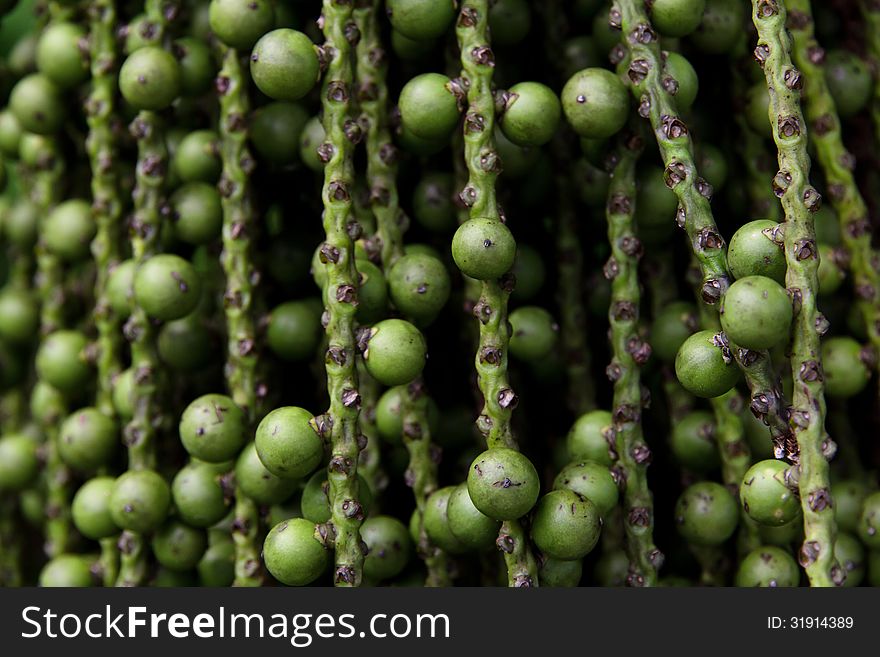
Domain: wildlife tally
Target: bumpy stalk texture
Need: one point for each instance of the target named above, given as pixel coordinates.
(483, 165)
(837, 163)
(239, 227)
(106, 195)
(340, 295)
(49, 283)
(629, 353)
(641, 62)
(141, 434)
(799, 200)
(372, 94)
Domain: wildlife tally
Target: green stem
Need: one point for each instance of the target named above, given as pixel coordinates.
(45, 193)
(340, 296)
(799, 200)
(871, 14)
(106, 195)
(837, 164)
(478, 61)
(239, 228)
(629, 353)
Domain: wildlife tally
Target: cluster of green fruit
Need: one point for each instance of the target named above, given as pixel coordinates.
(202, 222)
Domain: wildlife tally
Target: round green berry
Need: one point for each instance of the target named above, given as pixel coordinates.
(591, 438)
(149, 78)
(531, 115)
(674, 324)
(88, 439)
(213, 429)
(60, 361)
(389, 547)
(703, 365)
(768, 566)
(483, 248)
(846, 373)
(503, 483)
(37, 104)
(595, 102)
(753, 251)
(284, 64)
(199, 495)
(428, 107)
(67, 571)
(470, 527)
(766, 496)
(566, 525)
(288, 444)
(90, 509)
(534, 333)
(19, 463)
(292, 553)
(140, 501)
(693, 442)
(419, 286)
(197, 213)
(421, 19)
(294, 330)
(239, 23)
(396, 352)
(676, 18)
(706, 514)
(257, 482)
(167, 287)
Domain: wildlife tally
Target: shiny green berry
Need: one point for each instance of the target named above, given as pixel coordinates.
(67, 571)
(389, 547)
(432, 202)
(509, 22)
(720, 28)
(37, 105)
(19, 315)
(591, 480)
(69, 230)
(315, 502)
(257, 482)
(676, 18)
(428, 107)
(419, 286)
(421, 19)
(436, 522)
(846, 373)
(766, 495)
(197, 157)
(687, 84)
(60, 361)
(468, 524)
(832, 271)
(850, 554)
(276, 130)
(674, 324)
(389, 414)
(566, 525)
(90, 509)
(531, 114)
(149, 78)
(503, 483)
(294, 330)
(197, 67)
(595, 102)
(140, 501)
(483, 249)
(239, 23)
(213, 429)
(706, 514)
(756, 313)
(288, 444)
(88, 439)
(167, 287)
(396, 352)
(703, 366)
(693, 442)
(534, 333)
(556, 573)
(753, 251)
(61, 55)
(849, 81)
(197, 213)
(178, 546)
(848, 496)
(186, 345)
(19, 464)
(768, 566)
(591, 438)
(292, 553)
(199, 495)
(284, 64)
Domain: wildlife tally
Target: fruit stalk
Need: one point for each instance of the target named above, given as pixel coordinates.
(49, 283)
(141, 434)
(837, 164)
(372, 94)
(799, 200)
(340, 295)
(870, 10)
(629, 353)
(106, 195)
(643, 70)
(239, 227)
(499, 399)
